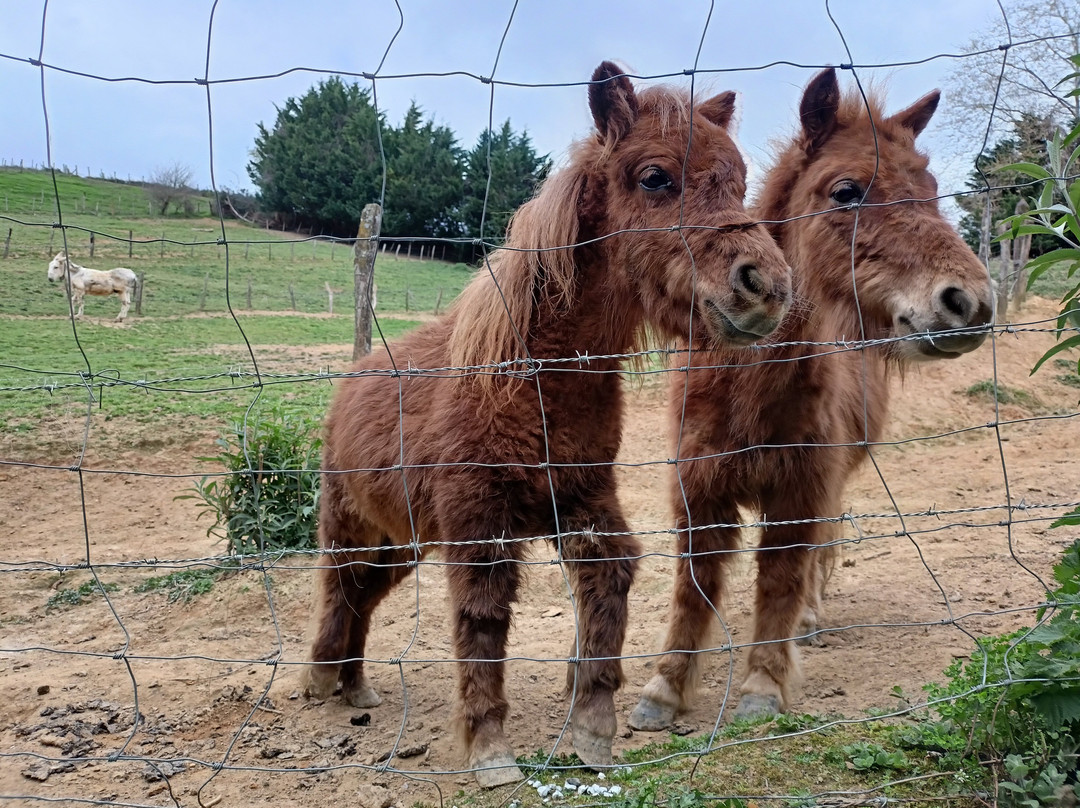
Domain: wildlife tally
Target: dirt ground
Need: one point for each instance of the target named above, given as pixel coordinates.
(73, 679)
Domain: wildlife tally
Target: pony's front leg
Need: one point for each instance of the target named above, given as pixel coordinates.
(77, 299)
(784, 582)
(699, 578)
(601, 570)
(483, 583)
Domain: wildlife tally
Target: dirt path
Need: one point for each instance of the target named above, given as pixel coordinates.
(70, 677)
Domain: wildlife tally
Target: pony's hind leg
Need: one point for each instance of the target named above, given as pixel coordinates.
(125, 303)
(351, 584)
(699, 580)
(601, 570)
(371, 580)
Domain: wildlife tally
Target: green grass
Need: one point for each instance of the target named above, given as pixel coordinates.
(986, 389)
(67, 598)
(146, 372)
(752, 758)
(182, 585)
(31, 192)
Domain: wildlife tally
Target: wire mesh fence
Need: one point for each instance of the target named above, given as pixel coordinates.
(147, 661)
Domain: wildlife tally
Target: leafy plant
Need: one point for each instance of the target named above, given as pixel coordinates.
(73, 597)
(1057, 213)
(268, 499)
(182, 585)
(1016, 702)
(864, 756)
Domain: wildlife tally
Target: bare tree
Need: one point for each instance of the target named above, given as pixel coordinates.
(170, 184)
(1019, 60)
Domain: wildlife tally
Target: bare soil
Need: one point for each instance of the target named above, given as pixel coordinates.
(73, 678)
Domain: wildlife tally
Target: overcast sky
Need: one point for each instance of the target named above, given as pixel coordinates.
(130, 128)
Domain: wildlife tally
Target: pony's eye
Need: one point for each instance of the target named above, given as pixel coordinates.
(655, 179)
(846, 192)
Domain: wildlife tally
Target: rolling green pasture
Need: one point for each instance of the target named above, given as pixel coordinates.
(184, 362)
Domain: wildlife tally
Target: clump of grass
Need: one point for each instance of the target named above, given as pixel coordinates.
(988, 390)
(182, 585)
(66, 598)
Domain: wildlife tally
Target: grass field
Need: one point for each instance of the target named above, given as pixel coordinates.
(184, 357)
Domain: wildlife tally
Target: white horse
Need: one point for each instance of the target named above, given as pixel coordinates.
(84, 281)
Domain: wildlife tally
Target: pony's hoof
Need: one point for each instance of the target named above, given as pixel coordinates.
(362, 696)
(321, 682)
(651, 715)
(756, 705)
(807, 630)
(593, 749)
(500, 769)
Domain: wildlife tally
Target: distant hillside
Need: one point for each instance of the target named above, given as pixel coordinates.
(30, 191)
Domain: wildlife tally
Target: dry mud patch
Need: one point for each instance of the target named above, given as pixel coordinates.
(199, 676)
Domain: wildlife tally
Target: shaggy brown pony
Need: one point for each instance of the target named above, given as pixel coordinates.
(781, 433)
(645, 227)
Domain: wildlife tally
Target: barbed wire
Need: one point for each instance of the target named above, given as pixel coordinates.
(93, 560)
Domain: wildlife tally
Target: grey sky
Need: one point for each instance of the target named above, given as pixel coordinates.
(127, 129)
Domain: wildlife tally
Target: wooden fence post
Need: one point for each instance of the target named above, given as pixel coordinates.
(364, 253)
(138, 293)
(91, 245)
(7, 242)
(131, 242)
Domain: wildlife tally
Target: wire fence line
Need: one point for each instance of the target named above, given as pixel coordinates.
(244, 736)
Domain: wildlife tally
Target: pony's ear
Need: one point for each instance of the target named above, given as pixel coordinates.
(820, 101)
(918, 115)
(719, 108)
(612, 101)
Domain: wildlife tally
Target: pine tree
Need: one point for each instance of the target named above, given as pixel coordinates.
(424, 180)
(320, 163)
(515, 170)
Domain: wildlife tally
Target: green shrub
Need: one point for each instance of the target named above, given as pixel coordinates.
(1015, 703)
(268, 500)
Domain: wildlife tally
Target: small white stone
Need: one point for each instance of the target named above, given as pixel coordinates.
(615, 790)
(600, 776)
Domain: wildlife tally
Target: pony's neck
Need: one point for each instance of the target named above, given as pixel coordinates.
(600, 318)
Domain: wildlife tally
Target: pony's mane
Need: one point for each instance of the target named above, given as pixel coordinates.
(535, 265)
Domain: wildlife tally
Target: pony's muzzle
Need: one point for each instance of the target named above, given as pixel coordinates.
(757, 304)
(958, 323)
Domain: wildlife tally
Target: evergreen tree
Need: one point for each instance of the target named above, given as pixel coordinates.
(424, 180)
(1026, 145)
(515, 169)
(320, 163)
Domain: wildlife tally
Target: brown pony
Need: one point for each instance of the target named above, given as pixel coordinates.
(781, 434)
(645, 227)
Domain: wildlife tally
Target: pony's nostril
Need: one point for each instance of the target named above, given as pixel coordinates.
(750, 279)
(958, 302)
